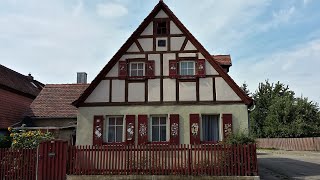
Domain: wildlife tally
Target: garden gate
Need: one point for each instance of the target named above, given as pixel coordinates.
(52, 160)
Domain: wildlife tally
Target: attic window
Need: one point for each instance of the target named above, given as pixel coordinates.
(162, 27)
(136, 69)
(161, 43)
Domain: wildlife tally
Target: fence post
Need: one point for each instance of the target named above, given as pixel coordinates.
(190, 158)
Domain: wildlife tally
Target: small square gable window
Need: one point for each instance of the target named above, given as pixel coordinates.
(162, 43)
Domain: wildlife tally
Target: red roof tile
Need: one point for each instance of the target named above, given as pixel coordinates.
(54, 101)
(19, 82)
(223, 59)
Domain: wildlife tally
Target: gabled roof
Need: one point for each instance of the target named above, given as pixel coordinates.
(19, 83)
(223, 60)
(162, 6)
(54, 101)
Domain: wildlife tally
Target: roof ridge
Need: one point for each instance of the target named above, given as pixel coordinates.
(14, 71)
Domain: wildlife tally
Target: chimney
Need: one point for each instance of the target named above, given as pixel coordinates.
(81, 78)
(30, 77)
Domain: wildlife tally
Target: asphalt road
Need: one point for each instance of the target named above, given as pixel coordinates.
(276, 164)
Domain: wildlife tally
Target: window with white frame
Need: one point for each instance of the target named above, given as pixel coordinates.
(136, 69)
(114, 129)
(187, 68)
(210, 128)
(158, 129)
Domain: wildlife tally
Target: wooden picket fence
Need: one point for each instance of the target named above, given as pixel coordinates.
(205, 159)
(18, 164)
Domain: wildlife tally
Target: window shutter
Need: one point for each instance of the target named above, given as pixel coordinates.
(226, 125)
(97, 130)
(150, 71)
(173, 68)
(142, 129)
(201, 67)
(194, 129)
(174, 129)
(123, 69)
(130, 124)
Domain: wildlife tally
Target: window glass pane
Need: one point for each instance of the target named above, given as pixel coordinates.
(133, 65)
(190, 64)
(119, 121)
(111, 121)
(183, 72)
(140, 72)
(163, 120)
(183, 65)
(111, 134)
(140, 66)
(134, 73)
(163, 133)
(119, 133)
(190, 72)
(210, 128)
(155, 133)
(155, 120)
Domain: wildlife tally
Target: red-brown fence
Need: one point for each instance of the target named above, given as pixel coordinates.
(218, 160)
(18, 164)
(292, 144)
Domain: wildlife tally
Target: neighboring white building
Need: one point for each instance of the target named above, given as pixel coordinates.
(162, 86)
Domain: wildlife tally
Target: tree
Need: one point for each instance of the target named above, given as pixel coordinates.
(245, 89)
(279, 114)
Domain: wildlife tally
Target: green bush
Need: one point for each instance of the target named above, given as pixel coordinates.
(29, 139)
(240, 138)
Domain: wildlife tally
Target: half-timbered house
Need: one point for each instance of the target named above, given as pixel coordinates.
(162, 86)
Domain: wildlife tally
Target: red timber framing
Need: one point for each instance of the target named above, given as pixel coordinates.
(136, 34)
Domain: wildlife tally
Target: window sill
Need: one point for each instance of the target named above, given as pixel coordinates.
(113, 143)
(163, 142)
(209, 142)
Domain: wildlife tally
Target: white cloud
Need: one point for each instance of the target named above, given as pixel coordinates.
(296, 67)
(111, 10)
(278, 18)
(78, 8)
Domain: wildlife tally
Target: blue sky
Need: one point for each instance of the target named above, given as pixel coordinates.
(275, 40)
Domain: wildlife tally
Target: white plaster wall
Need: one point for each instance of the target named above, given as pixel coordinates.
(166, 58)
(133, 48)
(187, 54)
(210, 70)
(161, 14)
(148, 30)
(100, 93)
(189, 46)
(85, 117)
(154, 90)
(156, 58)
(187, 91)
(174, 29)
(136, 92)
(169, 90)
(146, 44)
(205, 89)
(176, 43)
(114, 71)
(118, 91)
(200, 56)
(224, 92)
(165, 48)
